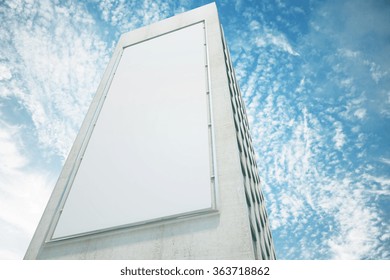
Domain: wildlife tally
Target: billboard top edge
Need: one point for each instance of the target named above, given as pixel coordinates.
(204, 13)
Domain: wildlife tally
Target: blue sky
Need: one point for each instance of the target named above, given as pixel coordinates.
(315, 77)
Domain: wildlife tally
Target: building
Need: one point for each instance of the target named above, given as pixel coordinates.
(163, 166)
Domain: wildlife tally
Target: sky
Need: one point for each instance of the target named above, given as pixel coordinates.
(315, 78)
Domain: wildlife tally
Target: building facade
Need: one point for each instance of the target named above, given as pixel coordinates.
(163, 166)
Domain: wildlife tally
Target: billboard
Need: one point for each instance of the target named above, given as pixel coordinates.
(149, 155)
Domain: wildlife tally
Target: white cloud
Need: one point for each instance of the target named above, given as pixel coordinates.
(5, 72)
(254, 25)
(277, 40)
(11, 159)
(349, 53)
(59, 65)
(356, 226)
(376, 72)
(385, 160)
(281, 42)
(360, 113)
(383, 181)
(339, 136)
(261, 34)
(301, 86)
(105, 7)
(127, 15)
(24, 193)
(346, 83)
(237, 5)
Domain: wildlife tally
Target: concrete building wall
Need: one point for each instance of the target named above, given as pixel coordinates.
(223, 233)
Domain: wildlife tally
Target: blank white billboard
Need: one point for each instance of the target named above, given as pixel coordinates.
(148, 157)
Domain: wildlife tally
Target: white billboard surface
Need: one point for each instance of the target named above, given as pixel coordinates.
(148, 157)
